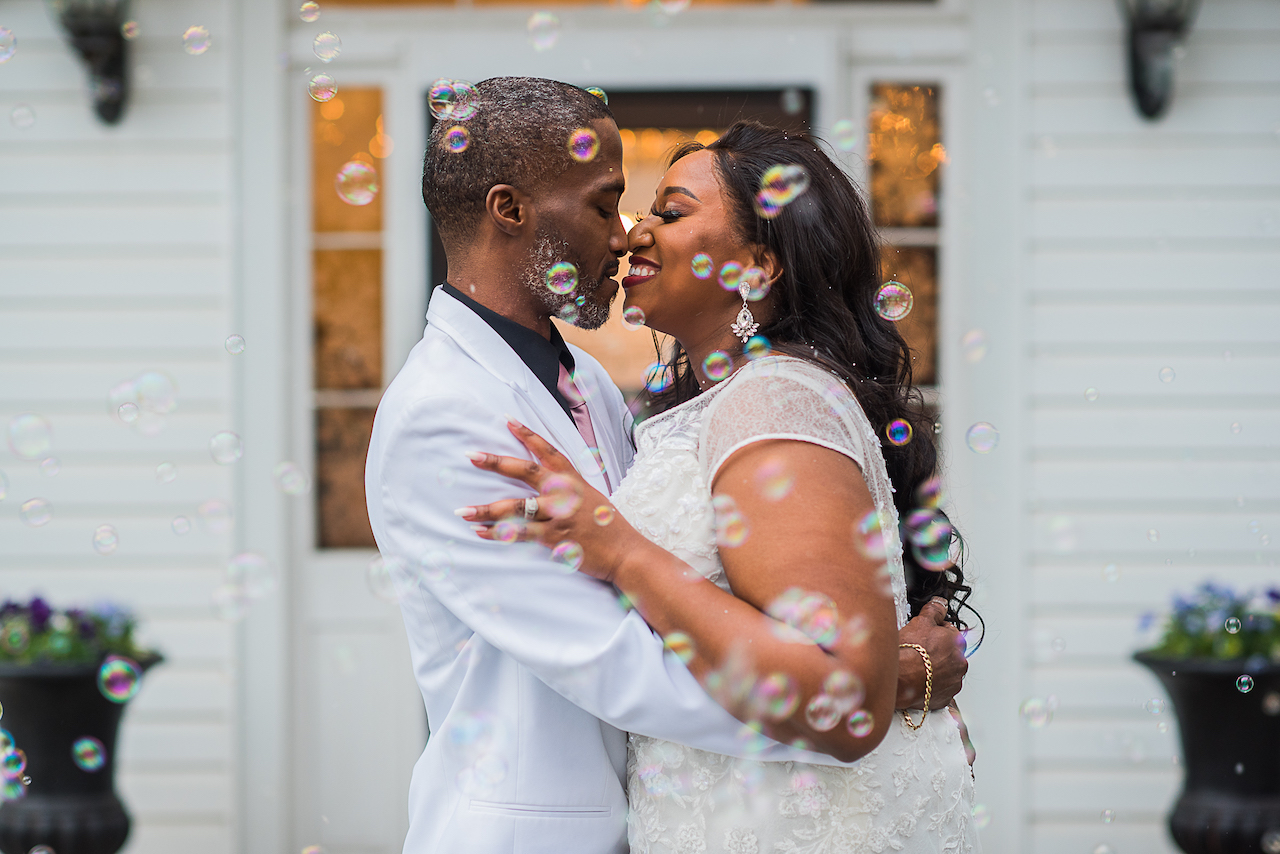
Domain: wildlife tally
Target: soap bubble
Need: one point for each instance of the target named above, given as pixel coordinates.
(326, 47)
(757, 347)
(569, 314)
(603, 515)
(309, 11)
(775, 480)
(1153, 535)
(1167, 375)
(658, 377)
(441, 98)
(981, 816)
(129, 29)
(4, 486)
(1232, 625)
(1036, 713)
(13, 764)
(251, 574)
(8, 44)
(845, 134)
(1103, 848)
(291, 479)
(1244, 684)
(868, 536)
(1271, 842)
(119, 679)
(15, 637)
(215, 516)
(583, 145)
(356, 183)
(465, 101)
(680, 644)
(234, 344)
(774, 697)
(717, 365)
(813, 615)
(702, 265)
(730, 275)
(225, 448)
(89, 754)
(105, 539)
(457, 139)
(1271, 703)
(731, 525)
(633, 317)
(894, 301)
(181, 525)
(544, 30)
(230, 602)
(861, 723)
(898, 431)
(982, 438)
(568, 553)
(599, 93)
(322, 87)
(1155, 706)
(562, 277)
(22, 116)
(757, 283)
(823, 713)
(50, 466)
(195, 40)
(1091, 394)
(381, 578)
(30, 436)
(843, 687)
(35, 512)
(931, 542)
(1237, 427)
(780, 185)
(974, 345)
(166, 473)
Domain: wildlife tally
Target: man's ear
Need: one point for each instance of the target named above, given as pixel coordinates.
(508, 208)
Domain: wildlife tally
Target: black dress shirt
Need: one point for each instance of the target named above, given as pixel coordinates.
(544, 357)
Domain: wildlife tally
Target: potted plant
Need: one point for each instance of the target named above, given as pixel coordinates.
(1219, 660)
(65, 677)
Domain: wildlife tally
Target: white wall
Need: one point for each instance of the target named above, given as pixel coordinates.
(1149, 245)
(115, 258)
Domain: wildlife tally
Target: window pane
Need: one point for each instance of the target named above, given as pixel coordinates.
(342, 441)
(348, 318)
(905, 150)
(916, 267)
(344, 129)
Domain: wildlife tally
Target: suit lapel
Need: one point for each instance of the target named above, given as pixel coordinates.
(479, 341)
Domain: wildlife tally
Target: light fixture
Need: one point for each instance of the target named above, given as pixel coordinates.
(93, 28)
(1156, 30)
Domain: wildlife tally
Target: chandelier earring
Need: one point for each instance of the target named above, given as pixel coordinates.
(745, 326)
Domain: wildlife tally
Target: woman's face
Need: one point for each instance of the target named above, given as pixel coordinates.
(690, 218)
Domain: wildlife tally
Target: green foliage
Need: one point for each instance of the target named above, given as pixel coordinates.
(35, 633)
(1215, 622)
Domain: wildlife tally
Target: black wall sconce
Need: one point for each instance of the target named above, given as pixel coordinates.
(1156, 27)
(93, 28)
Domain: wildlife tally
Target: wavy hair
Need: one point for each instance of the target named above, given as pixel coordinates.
(824, 311)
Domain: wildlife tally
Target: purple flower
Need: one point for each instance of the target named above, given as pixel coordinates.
(1145, 621)
(10, 608)
(40, 614)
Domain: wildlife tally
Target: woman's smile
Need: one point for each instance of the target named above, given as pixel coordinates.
(642, 269)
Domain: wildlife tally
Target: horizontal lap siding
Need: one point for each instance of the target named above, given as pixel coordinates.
(1151, 245)
(117, 255)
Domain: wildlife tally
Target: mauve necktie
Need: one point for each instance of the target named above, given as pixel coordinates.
(581, 417)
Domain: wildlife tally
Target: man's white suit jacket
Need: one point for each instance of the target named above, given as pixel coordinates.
(531, 674)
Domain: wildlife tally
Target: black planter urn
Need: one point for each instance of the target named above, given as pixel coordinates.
(1230, 801)
(47, 709)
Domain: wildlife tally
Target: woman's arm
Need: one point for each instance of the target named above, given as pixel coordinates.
(804, 541)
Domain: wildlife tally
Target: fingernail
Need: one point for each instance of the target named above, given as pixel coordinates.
(465, 511)
(475, 456)
(517, 424)
(479, 529)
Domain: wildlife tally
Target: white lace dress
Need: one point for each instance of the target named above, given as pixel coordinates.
(914, 792)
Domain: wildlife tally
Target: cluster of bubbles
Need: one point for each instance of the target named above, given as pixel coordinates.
(730, 524)
(452, 100)
(544, 30)
(583, 145)
(356, 183)
(119, 678)
(780, 185)
(248, 578)
(13, 767)
(195, 40)
(894, 301)
(89, 754)
(144, 401)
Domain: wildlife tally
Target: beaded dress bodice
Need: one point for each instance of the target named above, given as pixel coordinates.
(914, 792)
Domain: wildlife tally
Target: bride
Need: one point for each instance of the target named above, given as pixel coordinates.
(758, 530)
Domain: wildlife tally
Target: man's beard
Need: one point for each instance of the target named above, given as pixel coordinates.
(548, 250)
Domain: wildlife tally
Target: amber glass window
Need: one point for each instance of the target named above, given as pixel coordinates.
(906, 155)
(346, 311)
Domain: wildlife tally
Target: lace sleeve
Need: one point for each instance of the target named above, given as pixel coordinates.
(781, 398)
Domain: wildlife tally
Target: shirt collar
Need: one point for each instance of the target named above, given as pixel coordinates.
(542, 356)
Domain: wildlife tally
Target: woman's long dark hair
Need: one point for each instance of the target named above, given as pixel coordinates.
(824, 311)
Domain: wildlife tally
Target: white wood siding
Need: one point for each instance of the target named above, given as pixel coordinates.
(115, 247)
(1150, 245)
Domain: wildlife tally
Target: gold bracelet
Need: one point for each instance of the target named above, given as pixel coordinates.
(928, 684)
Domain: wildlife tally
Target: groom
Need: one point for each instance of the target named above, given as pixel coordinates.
(531, 674)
